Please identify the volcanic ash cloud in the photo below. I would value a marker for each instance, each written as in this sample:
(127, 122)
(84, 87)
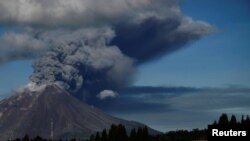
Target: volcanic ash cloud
(88, 46)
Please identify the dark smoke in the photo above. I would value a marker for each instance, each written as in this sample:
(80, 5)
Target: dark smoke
(82, 61)
(15, 46)
(91, 47)
(154, 37)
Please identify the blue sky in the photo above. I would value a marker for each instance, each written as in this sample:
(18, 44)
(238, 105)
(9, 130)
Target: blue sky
(14, 75)
(220, 60)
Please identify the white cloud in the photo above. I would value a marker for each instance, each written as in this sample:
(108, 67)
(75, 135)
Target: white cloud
(107, 94)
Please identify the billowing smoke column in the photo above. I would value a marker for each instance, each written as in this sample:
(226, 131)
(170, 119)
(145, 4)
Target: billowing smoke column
(82, 61)
(90, 47)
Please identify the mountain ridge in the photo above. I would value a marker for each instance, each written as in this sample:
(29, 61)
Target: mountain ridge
(53, 113)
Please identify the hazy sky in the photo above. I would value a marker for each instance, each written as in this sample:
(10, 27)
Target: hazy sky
(216, 66)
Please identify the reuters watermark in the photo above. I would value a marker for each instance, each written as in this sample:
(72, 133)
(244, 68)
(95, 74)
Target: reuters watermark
(221, 132)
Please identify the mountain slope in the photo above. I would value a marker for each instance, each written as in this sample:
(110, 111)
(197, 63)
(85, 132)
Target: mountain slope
(52, 113)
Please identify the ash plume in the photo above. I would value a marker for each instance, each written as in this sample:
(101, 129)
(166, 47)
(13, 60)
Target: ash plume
(88, 46)
(83, 60)
(154, 37)
(15, 46)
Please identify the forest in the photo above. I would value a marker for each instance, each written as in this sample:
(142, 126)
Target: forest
(119, 133)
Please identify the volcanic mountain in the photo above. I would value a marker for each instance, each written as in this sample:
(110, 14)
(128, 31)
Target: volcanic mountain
(53, 113)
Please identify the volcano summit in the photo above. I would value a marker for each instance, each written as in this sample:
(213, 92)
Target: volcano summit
(51, 112)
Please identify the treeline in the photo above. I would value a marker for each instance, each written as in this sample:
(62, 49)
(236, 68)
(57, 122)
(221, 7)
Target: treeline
(224, 120)
(27, 138)
(119, 133)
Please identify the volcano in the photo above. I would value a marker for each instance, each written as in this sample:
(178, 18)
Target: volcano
(53, 113)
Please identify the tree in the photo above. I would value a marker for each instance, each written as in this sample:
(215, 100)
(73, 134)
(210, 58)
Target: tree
(248, 121)
(242, 120)
(38, 138)
(104, 135)
(121, 133)
(112, 133)
(97, 137)
(145, 134)
(18, 139)
(26, 138)
(92, 138)
(139, 136)
(233, 120)
(132, 136)
(215, 123)
(223, 119)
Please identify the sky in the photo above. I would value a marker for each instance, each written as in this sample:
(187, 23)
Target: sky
(220, 60)
(190, 87)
